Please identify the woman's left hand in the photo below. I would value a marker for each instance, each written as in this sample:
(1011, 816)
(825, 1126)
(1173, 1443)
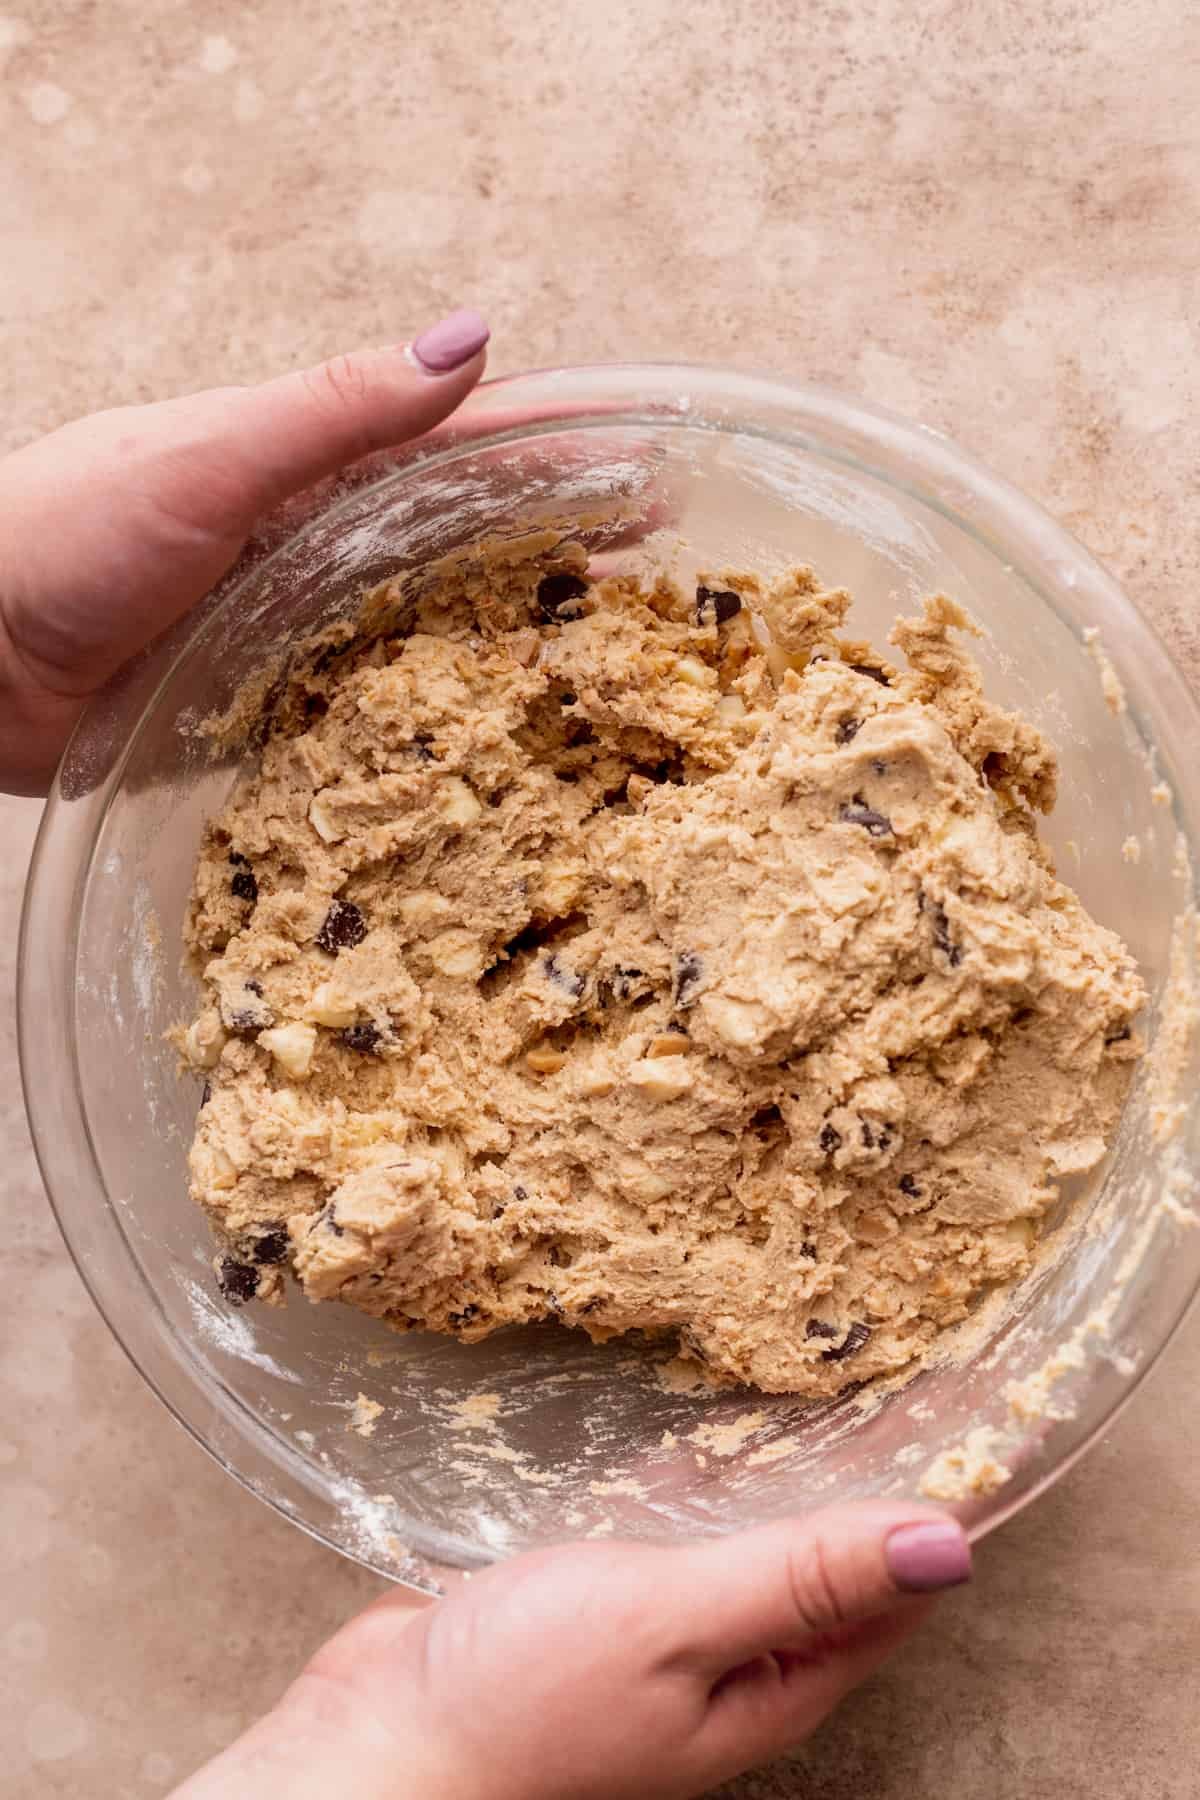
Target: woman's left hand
(114, 526)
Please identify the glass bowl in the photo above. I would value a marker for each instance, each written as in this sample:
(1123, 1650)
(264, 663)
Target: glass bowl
(536, 1434)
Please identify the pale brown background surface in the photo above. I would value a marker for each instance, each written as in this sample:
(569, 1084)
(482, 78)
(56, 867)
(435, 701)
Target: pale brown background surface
(985, 215)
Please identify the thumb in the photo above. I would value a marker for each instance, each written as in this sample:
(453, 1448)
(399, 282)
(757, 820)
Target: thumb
(311, 422)
(784, 1621)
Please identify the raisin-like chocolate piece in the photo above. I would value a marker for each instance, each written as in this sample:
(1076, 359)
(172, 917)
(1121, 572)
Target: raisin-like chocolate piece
(255, 987)
(689, 973)
(243, 885)
(854, 1339)
(237, 860)
(237, 1281)
(908, 1185)
(818, 1328)
(809, 1249)
(870, 670)
(830, 1139)
(558, 596)
(847, 731)
(363, 1037)
(623, 981)
(941, 931)
(716, 606)
(470, 1311)
(570, 980)
(272, 1247)
(328, 1219)
(421, 747)
(520, 1193)
(857, 812)
(344, 927)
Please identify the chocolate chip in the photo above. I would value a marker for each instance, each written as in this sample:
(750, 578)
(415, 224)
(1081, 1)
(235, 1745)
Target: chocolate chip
(520, 1193)
(570, 980)
(558, 594)
(206, 1093)
(623, 981)
(830, 1139)
(857, 812)
(689, 972)
(716, 606)
(272, 1246)
(941, 932)
(818, 1328)
(847, 730)
(421, 747)
(908, 1185)
(255, 987)
(854, 1339)
(243, 885)
(344, 927)
(237, 1281)
(808, 1249)
(470, 1311)
(238, 860)
(363, 1037)
(870, 670)
(327, 1219)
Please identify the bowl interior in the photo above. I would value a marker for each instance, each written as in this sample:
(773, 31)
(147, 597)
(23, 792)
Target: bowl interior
(535, 1434)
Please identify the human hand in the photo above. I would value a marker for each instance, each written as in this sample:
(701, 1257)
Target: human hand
(114, 526)
(602, 1671)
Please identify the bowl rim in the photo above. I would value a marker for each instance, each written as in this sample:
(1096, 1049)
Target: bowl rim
(694, 395)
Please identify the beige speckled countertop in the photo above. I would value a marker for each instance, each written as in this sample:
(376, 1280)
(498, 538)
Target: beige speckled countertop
(984, 216)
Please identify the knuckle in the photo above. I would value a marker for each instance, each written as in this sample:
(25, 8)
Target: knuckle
(814, 1588)
(339, 389)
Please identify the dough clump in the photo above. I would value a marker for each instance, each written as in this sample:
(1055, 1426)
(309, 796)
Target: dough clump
(651, 961)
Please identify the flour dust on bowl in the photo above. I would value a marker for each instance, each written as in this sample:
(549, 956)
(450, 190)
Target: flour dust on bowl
(417, 1454)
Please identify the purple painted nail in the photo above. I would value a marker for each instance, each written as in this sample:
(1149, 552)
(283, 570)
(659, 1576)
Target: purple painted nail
(451, 342)
(922, 1558)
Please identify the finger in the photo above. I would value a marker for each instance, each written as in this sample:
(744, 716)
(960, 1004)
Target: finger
(785, 1584)
(768, 1706)
(310, 423)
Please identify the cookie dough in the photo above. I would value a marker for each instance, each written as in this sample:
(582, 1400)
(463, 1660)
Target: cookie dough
(647, 960)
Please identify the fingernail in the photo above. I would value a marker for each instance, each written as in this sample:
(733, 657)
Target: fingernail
(451, 342)
(922, 1558)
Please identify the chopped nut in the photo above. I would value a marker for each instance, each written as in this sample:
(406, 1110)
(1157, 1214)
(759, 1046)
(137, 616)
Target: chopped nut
(292, 1047)
(222, 1173)
(321, 818)
(328, 1008)
(597, 1081)
(693, 671)
(544, 1061)
(456, 803)
(671, 1043)
(422, 907)
(559, 888)
(662, 1077)
(456, 952)
(204, 1040)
